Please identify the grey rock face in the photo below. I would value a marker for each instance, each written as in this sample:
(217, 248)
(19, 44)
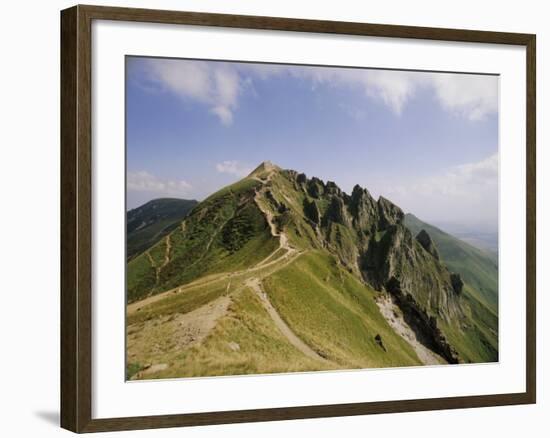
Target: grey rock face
(363, 209)
(370, 239)
(336, 212)
(332, 189)
(301, 178)
(427, 243)
(390, 214)
(311, 211)
(315, 187)
(458, 284)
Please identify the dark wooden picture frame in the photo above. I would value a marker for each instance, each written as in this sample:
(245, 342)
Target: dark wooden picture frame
(76, 218)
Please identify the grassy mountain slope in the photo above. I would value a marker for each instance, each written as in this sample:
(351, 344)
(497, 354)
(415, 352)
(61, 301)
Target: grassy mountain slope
(341, 324)
(225, 232)
(150, 222)
(480, 296)
(339, 307)
(479, 269)
(280, 273)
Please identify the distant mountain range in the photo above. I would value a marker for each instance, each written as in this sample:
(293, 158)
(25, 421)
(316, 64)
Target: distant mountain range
(479, 268)
(483, 236)
(149, 223)
(279, 272)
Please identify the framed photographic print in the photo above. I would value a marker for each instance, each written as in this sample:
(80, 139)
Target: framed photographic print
(269, 218)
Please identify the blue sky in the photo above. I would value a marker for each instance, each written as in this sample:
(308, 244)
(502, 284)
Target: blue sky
(427, 141)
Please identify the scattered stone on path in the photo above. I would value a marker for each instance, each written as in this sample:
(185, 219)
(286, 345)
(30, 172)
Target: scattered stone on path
(234, 346)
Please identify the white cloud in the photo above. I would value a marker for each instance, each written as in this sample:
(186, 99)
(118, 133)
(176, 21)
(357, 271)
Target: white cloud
(234, 167)
(392, 88)
(473, 96)
(470, 180)
(219, 85)
(468, 192)
(143, 181)
(224, 114)
(215, 85)
(482, 172)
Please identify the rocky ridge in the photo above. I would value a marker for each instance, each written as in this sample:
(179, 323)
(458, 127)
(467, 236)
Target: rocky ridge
(371, 241)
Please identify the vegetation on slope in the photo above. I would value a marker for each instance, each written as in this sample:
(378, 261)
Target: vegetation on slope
(202, 299)
(244, 341)
(477, 336)
(342, 320)
(225, 232)
(478, 268)
(342, 325)
(152, 221)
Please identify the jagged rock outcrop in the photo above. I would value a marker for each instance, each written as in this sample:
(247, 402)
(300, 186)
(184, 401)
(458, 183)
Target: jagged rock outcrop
(424, 325)
(332, 189)
(427, 243)
(457, 283)
(336, 212)
(301, 178)
(397, 254)
(311, 227)
(363, 209)
(311, 211)
(370, 239)
(390, 214)
(315, 187)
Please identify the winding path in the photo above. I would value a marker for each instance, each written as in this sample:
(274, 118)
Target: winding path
(288, 254)
(256, 286)
(166, 253)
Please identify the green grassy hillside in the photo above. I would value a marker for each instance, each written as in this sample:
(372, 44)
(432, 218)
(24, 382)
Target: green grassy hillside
(339, 307)
(225, 232)
(152, 221)
(480, 295)
(479, 269)
(341, 325)
(281, 273)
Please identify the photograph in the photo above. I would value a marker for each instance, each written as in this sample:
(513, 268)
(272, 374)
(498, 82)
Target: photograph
(285, 218)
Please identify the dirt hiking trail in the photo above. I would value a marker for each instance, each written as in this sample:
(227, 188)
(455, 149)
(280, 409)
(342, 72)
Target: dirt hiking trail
(256, 286)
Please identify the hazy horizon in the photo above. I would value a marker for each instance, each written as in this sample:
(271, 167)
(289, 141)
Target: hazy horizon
(426, 141)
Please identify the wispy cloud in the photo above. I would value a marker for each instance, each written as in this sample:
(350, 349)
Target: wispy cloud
(392, 88)
(143, 181)
(472, 180)
(472, 96)
(234, 167)
(464, 191)
(220, 85)
(468, 95)
(215, 85)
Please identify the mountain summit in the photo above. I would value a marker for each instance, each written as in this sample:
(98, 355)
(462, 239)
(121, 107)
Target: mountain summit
(280, 272)
(264, 168)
